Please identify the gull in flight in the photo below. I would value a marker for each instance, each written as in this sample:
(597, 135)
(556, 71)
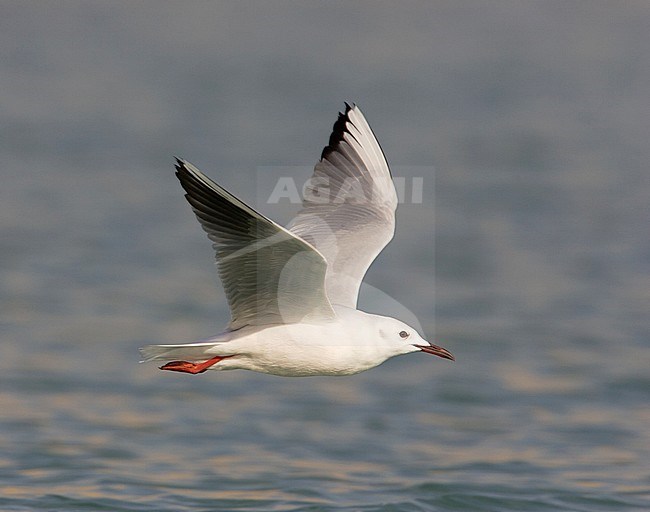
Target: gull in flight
(293, 291)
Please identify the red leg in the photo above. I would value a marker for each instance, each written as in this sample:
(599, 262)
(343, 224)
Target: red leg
(193, 368)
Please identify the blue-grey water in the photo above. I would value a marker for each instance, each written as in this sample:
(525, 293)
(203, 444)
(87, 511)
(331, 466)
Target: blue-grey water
(528, 255)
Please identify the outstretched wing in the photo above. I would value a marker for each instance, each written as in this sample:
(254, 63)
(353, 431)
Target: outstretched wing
(270, 275)
(349, 206)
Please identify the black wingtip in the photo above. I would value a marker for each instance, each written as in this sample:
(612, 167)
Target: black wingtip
(180, 164)
(184, 174)
(338, 130)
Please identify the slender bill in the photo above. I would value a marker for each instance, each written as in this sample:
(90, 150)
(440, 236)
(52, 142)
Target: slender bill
(436, 351)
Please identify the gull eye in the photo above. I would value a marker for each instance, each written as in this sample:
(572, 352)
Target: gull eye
(404, 334)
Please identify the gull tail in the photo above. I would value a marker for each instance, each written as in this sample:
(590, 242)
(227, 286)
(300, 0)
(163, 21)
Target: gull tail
(186, 352)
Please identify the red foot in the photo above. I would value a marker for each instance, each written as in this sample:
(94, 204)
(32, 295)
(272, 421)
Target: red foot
(193, 368)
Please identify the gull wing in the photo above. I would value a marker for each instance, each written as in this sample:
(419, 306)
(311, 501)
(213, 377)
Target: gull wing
(270, 275)
(348, 211)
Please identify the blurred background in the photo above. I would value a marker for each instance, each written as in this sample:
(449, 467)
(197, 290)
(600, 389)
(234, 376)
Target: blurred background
(528, 256)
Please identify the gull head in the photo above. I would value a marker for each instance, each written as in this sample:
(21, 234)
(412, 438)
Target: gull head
(404, 339)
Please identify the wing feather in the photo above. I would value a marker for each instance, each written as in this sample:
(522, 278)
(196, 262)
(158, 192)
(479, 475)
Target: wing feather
(348, 211)
(269, 274)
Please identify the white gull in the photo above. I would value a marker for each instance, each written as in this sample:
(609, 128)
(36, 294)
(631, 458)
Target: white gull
(293, 292)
